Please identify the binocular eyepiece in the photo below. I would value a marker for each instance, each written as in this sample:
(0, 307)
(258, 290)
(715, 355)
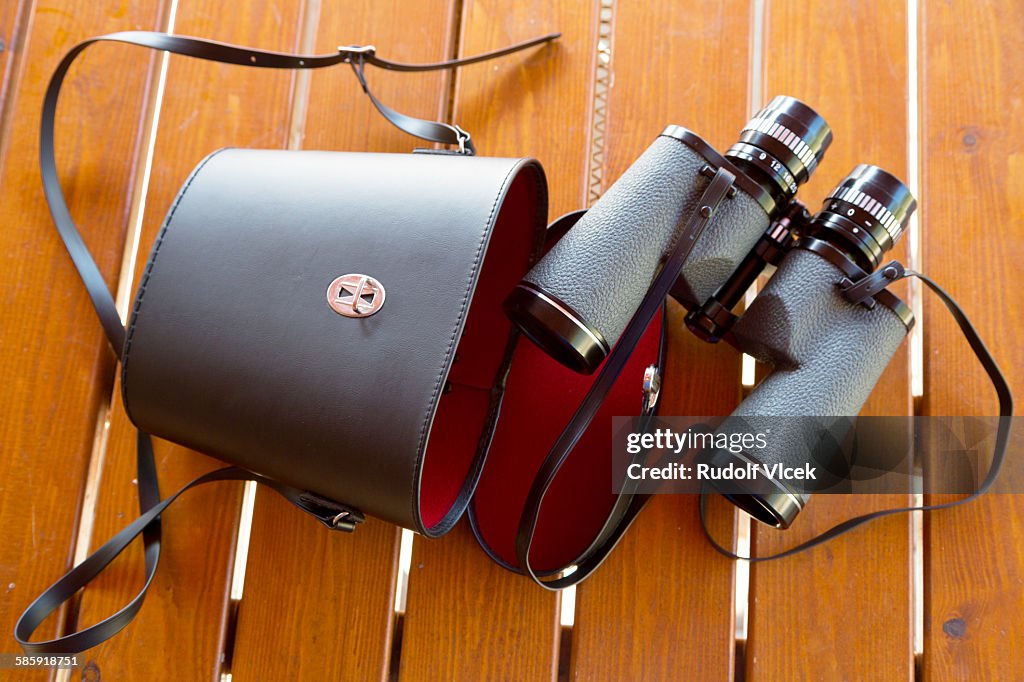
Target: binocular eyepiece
(781, 146)
(865, 215)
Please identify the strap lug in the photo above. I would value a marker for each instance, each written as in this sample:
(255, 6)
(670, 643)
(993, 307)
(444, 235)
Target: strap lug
(863, 290)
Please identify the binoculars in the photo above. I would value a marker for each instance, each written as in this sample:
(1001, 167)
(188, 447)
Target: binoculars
(827, 352)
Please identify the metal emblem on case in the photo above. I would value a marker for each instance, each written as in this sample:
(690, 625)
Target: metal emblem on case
(355, 295)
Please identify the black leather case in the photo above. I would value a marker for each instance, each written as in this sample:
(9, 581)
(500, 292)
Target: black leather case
(233, 349)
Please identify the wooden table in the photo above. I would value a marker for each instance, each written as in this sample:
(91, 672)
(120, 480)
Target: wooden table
(933, 91)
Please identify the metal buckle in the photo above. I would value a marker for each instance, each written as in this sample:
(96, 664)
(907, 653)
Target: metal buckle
(354, 50)
(333, 515)
(864, 290)
(651, 389)
(463, 138)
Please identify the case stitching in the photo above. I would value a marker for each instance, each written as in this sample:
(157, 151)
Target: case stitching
(137, 308)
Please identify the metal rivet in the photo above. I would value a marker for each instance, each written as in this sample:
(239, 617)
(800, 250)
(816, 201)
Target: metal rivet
(705, 211)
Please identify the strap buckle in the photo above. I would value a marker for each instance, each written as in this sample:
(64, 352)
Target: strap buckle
(332, 514)
(464, 139)
(361, 51)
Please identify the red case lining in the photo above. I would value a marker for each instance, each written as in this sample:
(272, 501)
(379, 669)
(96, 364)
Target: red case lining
(463, 409)
(540, 398)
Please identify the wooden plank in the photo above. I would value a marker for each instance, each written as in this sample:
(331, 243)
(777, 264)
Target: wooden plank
(856, 79)
(467, 618)
(317, 604)
(54, 363)
(661, 607)
(346, 581)
(972, 57)
(205, 106)
(485, 622)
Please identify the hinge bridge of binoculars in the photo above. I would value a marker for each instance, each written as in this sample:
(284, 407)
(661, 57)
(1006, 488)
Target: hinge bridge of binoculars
(863, 290)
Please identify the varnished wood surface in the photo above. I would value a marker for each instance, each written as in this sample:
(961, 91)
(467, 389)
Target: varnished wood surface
(55, 366)
(319, 605)
(13, 18)
(972, 57)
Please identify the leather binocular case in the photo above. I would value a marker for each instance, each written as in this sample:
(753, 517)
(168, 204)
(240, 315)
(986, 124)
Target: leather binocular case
(333, 321)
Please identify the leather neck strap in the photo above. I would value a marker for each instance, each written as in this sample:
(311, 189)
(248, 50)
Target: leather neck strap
(333, 515)
(628, 504)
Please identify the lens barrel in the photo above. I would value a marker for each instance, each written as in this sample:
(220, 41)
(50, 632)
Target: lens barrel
(865, 215)
(781, 146)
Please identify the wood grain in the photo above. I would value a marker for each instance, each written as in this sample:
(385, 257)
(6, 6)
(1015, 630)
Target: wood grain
(484, 622)
(467, 618)
(55, 367)
(857, 80)
(317, 604)
(972, 56)
(181, 631)
(661, 607)
(333, 594)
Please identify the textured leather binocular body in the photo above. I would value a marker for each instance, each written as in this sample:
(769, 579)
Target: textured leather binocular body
(593, 279)
(827, 355)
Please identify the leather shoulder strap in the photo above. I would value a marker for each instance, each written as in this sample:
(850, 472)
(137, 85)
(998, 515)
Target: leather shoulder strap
(333, 515)
(210, 50)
